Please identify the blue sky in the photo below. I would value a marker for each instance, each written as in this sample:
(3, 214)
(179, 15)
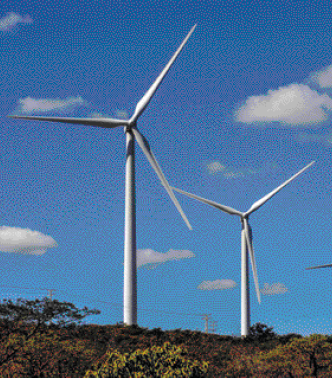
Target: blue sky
(246, 105)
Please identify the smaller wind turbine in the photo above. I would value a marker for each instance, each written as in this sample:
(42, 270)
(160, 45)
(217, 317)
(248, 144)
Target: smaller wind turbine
(246, 244)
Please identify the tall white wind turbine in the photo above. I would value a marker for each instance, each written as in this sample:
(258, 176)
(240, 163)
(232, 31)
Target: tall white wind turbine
(132, 134)
(246, 245)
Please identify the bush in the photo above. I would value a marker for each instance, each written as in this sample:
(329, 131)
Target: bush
(261, 332)
(166, 361)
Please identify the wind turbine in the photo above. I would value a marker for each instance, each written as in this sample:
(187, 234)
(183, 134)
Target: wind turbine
(132, 134)
(246, 244)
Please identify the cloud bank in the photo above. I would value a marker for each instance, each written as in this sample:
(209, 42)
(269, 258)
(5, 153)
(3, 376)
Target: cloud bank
(31, 105)
(217, 285)
(12, 20)
(292, 105)
(24, 240)
(274, 289)
(149, 256)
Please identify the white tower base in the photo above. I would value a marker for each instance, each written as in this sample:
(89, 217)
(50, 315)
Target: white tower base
(245, 299)
(130, 266)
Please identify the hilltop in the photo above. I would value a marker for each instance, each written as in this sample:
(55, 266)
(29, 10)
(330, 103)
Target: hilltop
(46, 339)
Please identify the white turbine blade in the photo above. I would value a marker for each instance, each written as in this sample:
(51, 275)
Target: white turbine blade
(320, 266)
(252, 257)
(143, 143)
(143, 102)
(97, 122)
(261, 202)
(226, 209)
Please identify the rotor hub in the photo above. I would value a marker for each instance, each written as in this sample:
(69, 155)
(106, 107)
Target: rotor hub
(128, 127)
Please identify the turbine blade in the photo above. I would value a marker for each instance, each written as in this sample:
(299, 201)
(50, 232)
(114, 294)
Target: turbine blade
(143, 143)
(247, 231)
(261, 202)
(320, 266)
(144, 101)
(97, 122)
(226, 209)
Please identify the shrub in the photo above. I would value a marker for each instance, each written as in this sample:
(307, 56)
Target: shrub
(166, 361)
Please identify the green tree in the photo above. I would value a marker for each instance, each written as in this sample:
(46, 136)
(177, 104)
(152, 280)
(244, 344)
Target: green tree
(166, 361)
(43, 312)
(241, 361)
(50, 353)
(261, 332)
(303, 357)
(22, 320)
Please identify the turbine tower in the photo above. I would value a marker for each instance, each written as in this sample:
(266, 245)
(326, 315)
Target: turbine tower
(132, 134)
(246, 245)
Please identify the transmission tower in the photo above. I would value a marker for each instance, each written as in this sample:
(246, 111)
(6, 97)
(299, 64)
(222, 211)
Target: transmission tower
(206, 317)
(213, 326)
(50, 292)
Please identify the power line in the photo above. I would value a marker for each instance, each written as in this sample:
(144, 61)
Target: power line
(50, 291)
(24, 288)
(94, 299)
(117, 304)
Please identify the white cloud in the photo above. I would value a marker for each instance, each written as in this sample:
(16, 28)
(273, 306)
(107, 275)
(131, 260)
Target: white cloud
(30, 105)
(215, 167)
(12, 20)
(217, 285)
(98, 115)
(274, 289)
(233, 174)
(122, 114)
(23, 240)
(295, 104)
(148, 256)
(323, 78)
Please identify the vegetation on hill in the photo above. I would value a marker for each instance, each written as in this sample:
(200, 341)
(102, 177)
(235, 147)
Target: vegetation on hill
(40, 339)
(166, 361)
